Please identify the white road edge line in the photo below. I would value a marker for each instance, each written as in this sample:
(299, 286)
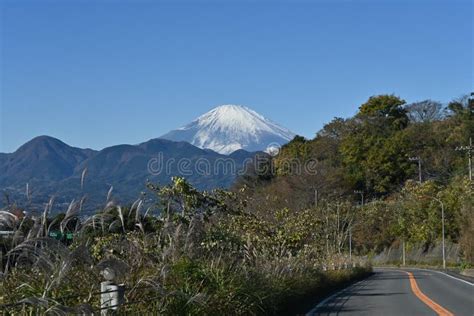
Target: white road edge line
(444, 273)
(327, 299)
(421, 269)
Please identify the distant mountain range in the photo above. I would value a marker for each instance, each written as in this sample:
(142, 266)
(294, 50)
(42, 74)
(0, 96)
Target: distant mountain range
(52, 168)
(228, 128)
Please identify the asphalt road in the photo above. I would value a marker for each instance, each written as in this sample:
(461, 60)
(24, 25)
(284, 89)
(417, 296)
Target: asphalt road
(402, 292)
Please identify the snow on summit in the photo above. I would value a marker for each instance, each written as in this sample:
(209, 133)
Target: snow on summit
(228, 128)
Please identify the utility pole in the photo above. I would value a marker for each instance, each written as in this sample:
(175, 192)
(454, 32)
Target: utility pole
(442, 228)
(350, 227)
(316, 197)
(350, 244)
(403, 251)
(418, 159)
(468, 149)
(442, 231)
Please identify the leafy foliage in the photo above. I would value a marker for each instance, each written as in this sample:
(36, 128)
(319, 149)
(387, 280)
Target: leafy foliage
(191, 253)
(370, 153)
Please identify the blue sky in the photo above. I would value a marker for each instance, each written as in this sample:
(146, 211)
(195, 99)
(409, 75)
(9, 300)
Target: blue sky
(100, 73)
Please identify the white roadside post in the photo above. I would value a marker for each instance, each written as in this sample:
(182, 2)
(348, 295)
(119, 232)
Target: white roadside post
(112, 295)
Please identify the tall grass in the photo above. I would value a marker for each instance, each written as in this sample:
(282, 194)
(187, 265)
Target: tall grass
(193, 253)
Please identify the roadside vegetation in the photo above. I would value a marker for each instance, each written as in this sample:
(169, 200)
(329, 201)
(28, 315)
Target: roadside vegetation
(371, 160)
(279, 237)
(201, 254)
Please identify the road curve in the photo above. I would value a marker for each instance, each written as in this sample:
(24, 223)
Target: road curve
(402, 292)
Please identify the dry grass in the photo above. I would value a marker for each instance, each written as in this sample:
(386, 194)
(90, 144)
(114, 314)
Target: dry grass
(202, 255)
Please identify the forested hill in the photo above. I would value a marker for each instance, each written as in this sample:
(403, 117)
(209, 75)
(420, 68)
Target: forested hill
(375, 155)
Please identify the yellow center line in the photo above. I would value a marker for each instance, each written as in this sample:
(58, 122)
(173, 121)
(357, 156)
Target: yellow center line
(425, 299)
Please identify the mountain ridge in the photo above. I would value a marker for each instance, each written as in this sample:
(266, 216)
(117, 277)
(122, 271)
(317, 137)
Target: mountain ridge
(50, 167)
(43, 157)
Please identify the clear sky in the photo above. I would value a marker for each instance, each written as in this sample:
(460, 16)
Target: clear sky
(100, 73)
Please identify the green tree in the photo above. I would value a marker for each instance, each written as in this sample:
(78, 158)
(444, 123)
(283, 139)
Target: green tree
(292, 156)
(375, 152)
(387, 107)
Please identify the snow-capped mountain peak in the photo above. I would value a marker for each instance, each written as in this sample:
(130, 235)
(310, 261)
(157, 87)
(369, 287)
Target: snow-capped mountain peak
(229, 127)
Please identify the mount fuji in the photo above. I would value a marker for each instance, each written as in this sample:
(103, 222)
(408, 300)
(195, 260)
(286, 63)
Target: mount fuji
(228, 128)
